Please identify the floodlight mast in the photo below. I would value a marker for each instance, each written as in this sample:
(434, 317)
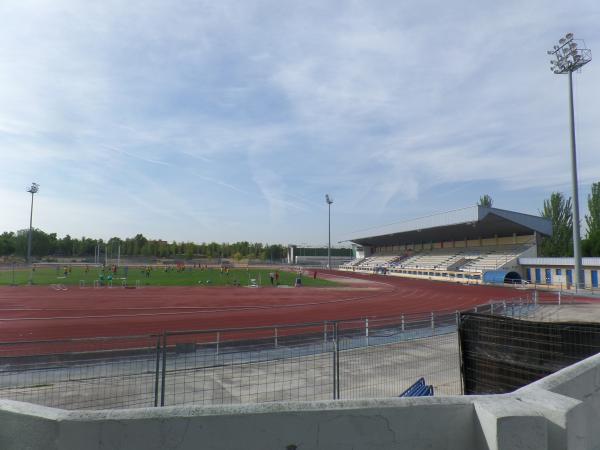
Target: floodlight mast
(329, 201)
(569, 55)
(33, 189)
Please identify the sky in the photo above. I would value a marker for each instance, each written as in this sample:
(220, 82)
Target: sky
(231, 120)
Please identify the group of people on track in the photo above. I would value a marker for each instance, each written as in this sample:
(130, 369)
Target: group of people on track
(274, 277)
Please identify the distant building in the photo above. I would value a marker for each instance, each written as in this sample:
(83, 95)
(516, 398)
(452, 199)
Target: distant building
(559, 271)
(317, 256)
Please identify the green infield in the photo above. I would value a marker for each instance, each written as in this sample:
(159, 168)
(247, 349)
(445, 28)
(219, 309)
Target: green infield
(157, 276)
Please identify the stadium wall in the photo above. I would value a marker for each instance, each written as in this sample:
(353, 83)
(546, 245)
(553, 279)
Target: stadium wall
(557, 412)
(449, 276)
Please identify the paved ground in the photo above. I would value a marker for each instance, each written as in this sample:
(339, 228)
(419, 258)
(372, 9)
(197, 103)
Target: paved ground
(567, 313)
(203, 377)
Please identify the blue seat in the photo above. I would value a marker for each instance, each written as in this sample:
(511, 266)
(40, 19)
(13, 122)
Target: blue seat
(418, 389)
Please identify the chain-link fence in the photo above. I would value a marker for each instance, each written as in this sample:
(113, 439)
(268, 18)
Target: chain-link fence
(348, 359)
(81, 373)
(360, 358)
(501, 353)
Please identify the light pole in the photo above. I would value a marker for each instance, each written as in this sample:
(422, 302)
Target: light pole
(570, 55)
(329, 201)
(33, 189)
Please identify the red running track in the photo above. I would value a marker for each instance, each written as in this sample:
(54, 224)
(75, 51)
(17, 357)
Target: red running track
(35, 313)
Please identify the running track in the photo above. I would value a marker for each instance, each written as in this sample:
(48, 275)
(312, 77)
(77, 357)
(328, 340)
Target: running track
(34, 313)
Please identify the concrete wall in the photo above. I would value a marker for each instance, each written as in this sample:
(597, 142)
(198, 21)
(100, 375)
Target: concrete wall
(558, 412)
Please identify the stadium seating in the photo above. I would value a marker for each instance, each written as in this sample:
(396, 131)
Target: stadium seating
(471, 260)
(492, 259)
(434, 260)
(373, 262)
(353, 263)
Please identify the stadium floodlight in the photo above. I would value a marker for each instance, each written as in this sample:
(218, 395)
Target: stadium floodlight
(329, 201)
(33, 189)
(571, 55)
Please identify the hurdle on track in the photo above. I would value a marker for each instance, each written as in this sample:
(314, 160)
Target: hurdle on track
(59, 287)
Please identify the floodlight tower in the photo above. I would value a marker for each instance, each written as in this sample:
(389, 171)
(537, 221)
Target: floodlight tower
(33, 189)
(329, 201)
(569, 55)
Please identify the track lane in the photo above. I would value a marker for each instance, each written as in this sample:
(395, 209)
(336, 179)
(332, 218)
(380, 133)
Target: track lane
(43, 313)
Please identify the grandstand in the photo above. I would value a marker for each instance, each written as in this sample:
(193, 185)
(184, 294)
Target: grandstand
(373, 262)
(460, 245)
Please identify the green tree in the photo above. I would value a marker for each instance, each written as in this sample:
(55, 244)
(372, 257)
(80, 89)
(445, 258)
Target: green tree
(43, 244)
(558, 209)
(591, 244)
(139, 242)
(213, 250)
(190, 249)
(7, 243)
(486, 200)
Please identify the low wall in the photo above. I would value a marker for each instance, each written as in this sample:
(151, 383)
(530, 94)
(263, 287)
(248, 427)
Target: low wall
(437, 277)
(558, 412)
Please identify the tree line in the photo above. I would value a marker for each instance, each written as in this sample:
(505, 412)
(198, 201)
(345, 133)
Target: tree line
(559, 209)
(49, 244)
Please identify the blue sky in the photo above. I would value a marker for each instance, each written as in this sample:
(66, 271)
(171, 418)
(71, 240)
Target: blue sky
(230, 120)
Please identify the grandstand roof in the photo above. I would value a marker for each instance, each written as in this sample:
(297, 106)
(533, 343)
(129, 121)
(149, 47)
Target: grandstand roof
(467, 223)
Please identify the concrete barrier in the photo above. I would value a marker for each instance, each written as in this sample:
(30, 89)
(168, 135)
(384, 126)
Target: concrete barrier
(558, 412)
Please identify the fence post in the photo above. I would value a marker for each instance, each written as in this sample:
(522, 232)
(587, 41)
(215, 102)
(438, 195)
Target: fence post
(325, 333)
(475, 308)
(457, 319)
(432, 322)
(276, 343)
(403, 323)
(559, 294)
(367, 330)
(334, 365)
(504, 307)
(520, 309)
(164, 370)
(337, 354)
(218, 341)
(157, 371)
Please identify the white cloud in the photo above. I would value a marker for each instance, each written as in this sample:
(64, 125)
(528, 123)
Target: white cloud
(212, 111)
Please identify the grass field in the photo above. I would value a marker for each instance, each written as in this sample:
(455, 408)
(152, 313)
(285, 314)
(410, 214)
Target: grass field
(157, 277)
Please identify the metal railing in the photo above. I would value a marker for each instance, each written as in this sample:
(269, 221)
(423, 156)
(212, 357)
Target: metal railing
(346, 359)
